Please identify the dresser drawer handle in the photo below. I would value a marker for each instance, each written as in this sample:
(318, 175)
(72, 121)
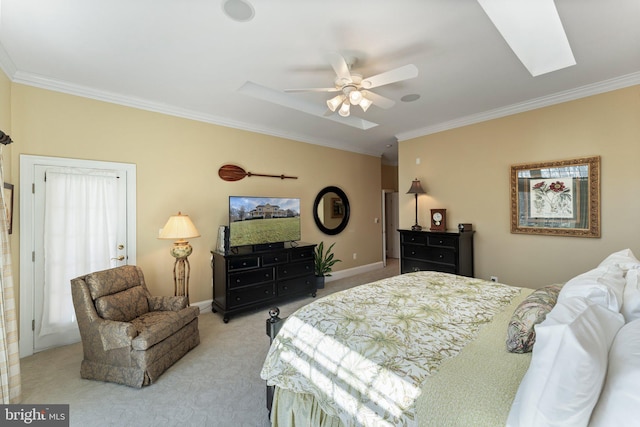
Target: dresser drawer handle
(440, 256)
(276, 259)
(237, 280)
(441, 241)
(413, 252)
(266, 292)
(285, 288)
(244, 263)
(237, 298)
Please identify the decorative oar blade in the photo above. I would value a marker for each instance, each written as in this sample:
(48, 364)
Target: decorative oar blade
(231, 173)
(236, 173)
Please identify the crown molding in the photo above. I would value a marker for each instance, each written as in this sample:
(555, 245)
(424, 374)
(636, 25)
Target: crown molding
(142, 104)
(545, 101)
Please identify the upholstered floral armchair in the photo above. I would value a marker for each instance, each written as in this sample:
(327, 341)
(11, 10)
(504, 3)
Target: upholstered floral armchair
(128, 336)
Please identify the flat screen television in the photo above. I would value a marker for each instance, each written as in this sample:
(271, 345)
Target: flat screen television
(263, 220)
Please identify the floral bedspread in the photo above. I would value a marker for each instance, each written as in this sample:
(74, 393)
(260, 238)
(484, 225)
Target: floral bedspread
(364, 353)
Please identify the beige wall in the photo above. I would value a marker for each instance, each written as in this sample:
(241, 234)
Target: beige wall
(177, 170)
(390, 177)
(5, 120)
(466, 171)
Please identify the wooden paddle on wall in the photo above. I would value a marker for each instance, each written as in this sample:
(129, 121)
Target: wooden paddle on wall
(236, 173)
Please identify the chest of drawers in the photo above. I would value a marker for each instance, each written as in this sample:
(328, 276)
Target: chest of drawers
(246, 279)
(447, 252)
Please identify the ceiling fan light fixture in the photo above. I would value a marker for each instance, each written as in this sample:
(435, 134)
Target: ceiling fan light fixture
(365, 104)
(345, 110)
(335, 102)
(355, 97)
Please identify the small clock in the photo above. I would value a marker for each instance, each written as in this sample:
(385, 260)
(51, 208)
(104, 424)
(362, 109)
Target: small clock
(438, 219)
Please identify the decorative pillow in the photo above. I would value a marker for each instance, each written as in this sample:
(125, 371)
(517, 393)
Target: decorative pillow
(625, 259)
(619, 403)
(603, 285)
(533, 310)
(631, 304)
(123, 306)
(568, 365)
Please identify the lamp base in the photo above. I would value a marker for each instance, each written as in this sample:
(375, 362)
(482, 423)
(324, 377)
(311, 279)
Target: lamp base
(416, 227)
(181, 269)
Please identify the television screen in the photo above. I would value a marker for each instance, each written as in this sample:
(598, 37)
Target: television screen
(260, 220)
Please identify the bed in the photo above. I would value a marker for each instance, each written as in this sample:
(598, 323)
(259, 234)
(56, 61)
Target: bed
(369, 355)
(436, 349)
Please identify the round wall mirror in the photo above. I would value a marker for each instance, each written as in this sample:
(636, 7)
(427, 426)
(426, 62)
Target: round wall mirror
(331, 210)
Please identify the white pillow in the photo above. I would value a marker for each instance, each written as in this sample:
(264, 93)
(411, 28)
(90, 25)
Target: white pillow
(625, 259)
(568, 365)
(603, 285)
(619, 403)
(631, 304)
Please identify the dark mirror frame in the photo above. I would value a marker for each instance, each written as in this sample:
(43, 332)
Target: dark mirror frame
(347, 210)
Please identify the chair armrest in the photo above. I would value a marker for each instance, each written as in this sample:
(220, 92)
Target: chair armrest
(165, 303)
(116, 334)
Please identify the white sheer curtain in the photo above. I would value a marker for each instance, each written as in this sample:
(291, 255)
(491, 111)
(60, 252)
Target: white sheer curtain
(80, 236)
(10, 384)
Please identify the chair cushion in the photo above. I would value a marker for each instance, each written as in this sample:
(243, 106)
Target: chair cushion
(123, 306)
(155, 326)
(114, 280)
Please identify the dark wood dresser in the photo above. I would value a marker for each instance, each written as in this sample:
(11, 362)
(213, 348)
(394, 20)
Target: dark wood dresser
(245, 279)
(447, 252)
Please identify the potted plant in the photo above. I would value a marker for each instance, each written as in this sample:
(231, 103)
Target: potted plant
(324, 261)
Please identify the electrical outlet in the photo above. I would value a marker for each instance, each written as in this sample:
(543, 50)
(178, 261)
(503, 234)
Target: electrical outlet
(355, 255)
(494, 278)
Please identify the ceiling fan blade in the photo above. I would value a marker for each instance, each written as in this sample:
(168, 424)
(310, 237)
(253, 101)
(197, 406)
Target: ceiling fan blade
(314, 89)
(378, 100)
(340, 66)
(398, 74)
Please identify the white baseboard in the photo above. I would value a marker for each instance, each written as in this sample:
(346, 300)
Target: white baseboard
(353, 271)
(205, 306)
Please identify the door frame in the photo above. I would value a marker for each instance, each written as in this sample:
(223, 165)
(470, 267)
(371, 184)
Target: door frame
(27, 238)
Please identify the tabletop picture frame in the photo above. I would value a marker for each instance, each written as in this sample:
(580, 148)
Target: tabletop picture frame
(557, 198)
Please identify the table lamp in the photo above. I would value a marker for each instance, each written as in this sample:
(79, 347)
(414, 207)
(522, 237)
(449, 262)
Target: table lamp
(416, 189)
(180, 228)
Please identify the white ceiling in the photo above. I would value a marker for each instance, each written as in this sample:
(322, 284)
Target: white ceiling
(188, 58)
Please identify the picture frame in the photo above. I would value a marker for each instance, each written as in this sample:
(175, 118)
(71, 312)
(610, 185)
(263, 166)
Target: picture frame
(556, 198)
(337, 207)
(8, 205)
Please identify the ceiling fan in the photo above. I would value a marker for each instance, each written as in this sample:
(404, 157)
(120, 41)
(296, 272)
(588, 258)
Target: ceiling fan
(353, 88)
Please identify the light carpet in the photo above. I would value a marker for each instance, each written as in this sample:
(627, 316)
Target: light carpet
(216, 384)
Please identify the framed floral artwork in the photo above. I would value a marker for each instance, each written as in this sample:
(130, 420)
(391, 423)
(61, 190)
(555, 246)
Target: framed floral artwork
(558, 198)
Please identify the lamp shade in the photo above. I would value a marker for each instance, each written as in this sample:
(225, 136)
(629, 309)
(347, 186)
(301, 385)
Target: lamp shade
(416, 188)
(179, 227)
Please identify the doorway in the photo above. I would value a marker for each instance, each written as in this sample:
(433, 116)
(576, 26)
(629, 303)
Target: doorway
(390, 224)
(56, 194)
